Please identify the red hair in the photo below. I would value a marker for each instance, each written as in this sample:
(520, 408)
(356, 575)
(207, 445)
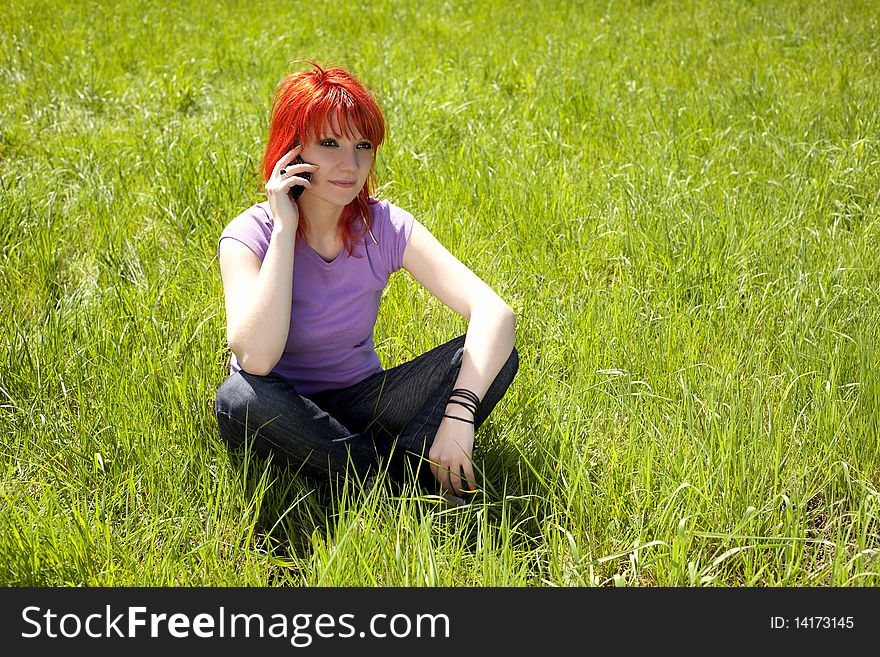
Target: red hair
(304, 103)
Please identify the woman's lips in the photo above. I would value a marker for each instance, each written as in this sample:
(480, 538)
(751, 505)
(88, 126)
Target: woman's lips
(345, 184)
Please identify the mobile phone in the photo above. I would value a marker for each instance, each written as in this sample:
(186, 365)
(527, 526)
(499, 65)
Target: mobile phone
(297, 190)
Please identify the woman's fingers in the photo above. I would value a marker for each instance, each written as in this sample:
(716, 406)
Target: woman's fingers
(454, 480)
(470, 482)
(450, 456)
(284, 207)
(441, 474)
(450, 477)
(286, 159)
(292, 181)
(297, 170)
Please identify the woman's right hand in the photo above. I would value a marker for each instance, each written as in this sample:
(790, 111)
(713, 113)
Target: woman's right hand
(284, 209)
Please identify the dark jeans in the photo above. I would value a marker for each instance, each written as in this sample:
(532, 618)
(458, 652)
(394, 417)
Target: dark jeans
(391, 416)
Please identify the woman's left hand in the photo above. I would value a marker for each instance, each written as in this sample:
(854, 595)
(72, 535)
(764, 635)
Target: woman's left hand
(450, 455)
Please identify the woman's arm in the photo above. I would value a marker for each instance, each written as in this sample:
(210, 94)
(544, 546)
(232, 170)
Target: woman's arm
(258, 297)
(259, 294)
(488, 343)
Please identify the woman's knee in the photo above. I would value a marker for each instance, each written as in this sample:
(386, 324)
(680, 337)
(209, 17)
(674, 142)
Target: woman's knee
(234, 396)
(253, 400)
(231, 404)
(257, 408)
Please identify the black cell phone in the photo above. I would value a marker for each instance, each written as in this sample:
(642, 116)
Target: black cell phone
(297, 190)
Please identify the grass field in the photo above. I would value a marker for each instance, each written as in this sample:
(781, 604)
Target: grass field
(680, 201)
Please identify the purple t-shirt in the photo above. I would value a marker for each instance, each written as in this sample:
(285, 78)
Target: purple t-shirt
(335, 304)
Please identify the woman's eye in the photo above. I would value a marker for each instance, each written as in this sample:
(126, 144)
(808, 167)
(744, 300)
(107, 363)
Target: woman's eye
(332, 142)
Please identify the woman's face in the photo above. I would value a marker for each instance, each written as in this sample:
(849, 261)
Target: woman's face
(344, 162)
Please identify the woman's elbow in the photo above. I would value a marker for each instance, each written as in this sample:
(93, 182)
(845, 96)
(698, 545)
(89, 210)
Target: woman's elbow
(503, 314)
(257, 369)
(509, 317)
(251, 362)
(501, 310)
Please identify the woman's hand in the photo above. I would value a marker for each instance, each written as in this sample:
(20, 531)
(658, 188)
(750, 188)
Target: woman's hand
(450, 455)
(284, 209)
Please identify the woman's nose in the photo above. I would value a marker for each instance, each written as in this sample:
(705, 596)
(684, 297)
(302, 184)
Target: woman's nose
(348, 161)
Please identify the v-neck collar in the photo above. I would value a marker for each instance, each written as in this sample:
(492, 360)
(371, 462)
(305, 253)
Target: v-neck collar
(317, 256)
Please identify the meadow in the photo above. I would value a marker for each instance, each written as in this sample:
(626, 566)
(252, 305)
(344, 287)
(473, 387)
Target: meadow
(678, 199)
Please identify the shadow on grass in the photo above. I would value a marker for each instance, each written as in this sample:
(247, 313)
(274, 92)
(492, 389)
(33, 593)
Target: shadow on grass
(287, 512)
(284, 507)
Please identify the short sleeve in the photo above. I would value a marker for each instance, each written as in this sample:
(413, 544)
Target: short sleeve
(253, 228)
(393, 227)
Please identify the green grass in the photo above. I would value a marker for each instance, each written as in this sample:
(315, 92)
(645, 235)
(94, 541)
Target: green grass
(680, 201)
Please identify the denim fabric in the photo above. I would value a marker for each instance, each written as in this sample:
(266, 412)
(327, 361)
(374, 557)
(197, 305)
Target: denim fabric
(391, 416)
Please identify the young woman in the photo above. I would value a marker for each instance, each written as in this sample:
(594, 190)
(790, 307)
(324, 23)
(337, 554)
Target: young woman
(303, 274)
